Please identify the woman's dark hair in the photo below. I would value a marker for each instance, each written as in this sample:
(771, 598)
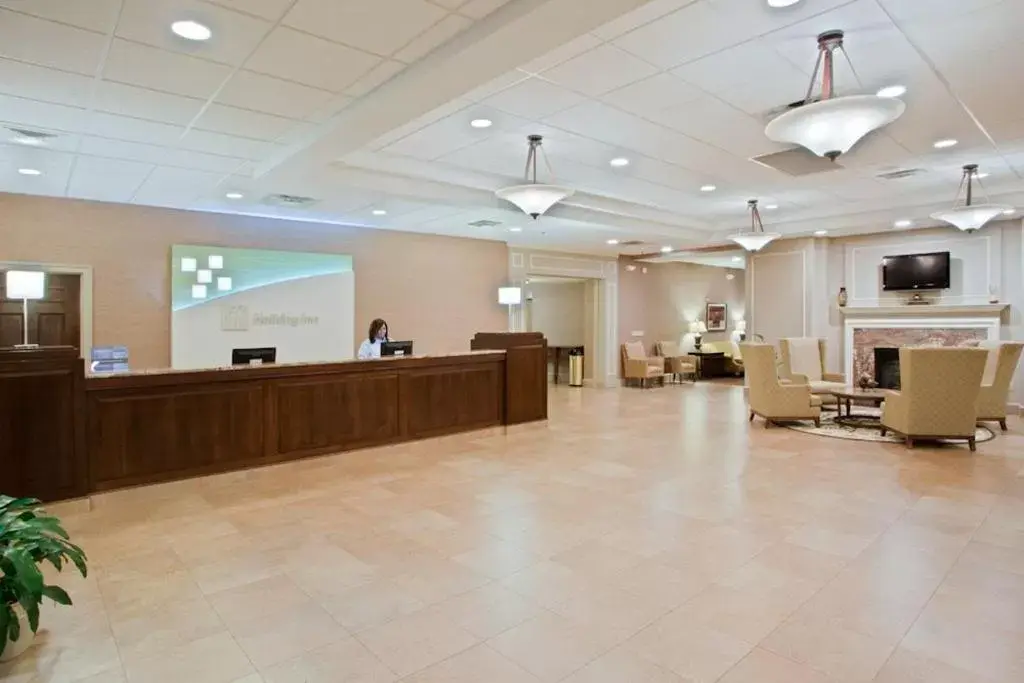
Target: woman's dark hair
(375, 328)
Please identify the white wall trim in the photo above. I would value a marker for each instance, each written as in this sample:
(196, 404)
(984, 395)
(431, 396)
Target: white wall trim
(84, 296)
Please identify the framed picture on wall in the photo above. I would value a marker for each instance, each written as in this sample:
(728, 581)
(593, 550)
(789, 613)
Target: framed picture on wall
(715, 316)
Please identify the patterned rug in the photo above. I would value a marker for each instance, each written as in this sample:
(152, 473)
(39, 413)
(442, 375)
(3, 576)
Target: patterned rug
(869, 431)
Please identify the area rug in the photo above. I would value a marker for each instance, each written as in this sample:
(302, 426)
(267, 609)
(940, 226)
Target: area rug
(830, 429)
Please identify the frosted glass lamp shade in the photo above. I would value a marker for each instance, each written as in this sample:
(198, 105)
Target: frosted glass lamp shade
(698, 327)
(832, 127)
(971, 218)
(741, 325)
(25, 284)
(534, 199)
(755, 241)
(510, 296)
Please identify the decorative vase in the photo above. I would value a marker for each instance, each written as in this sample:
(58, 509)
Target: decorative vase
(17, 647)
(842, 298)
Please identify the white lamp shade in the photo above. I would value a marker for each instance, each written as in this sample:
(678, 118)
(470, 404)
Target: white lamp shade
(188, 264)
(510, 296)
(216, 261)
(741, 325)
(755, 241)
(224, 284)
(26, 284)
(970, 218)
(831, 127)
(534, 199)
(204, 276)
(198, 291)
(698, 327)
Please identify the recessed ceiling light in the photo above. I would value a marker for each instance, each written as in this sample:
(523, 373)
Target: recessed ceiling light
(234, 195)
(619, 162)
(28, 141)
(820, 233)
(708, 188)
(515, 229)
(665, 250)
(1009, 212)
(612, 242)
(782, 3)
(30, 171)
(771, 206)
(481, 123)
(191, 30)
(380, 212)
(903, 223)
(943, 144)
(737, 259)
(979, 176)
(892, 91)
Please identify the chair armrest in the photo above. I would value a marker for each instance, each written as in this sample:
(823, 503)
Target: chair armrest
(796, 380)
(834, 377)
(636, 367)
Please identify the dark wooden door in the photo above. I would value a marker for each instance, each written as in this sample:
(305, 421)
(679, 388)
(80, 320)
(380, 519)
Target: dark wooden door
(52, 321)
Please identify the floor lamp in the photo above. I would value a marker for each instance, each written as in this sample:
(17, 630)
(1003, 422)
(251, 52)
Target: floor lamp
(510, 296)
(25, 285)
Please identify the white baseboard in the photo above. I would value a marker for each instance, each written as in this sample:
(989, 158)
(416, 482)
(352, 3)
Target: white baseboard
(1014, 409)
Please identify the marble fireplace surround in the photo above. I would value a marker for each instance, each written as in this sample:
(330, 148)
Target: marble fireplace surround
(927, 325)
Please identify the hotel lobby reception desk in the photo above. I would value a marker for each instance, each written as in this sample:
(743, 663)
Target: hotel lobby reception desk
(150, 426)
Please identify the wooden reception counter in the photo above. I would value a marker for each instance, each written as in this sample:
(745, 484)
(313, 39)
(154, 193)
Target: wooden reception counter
(88, 434)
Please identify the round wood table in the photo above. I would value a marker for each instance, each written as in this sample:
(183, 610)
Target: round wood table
(848, 396)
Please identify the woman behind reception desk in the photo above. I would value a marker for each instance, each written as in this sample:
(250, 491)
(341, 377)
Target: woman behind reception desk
(370, 348)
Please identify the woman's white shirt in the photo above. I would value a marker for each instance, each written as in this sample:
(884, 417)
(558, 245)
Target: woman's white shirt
(369, 349)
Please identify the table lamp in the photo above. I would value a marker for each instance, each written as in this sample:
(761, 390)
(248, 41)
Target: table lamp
(25, 285)
(741, 329)
(697, 328)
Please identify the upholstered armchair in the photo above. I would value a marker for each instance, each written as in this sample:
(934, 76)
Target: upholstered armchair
(938, 396)
(803, 362)
(637, 365)
(771, 398)
(735, 364)
(1000, 366)
(677, 363)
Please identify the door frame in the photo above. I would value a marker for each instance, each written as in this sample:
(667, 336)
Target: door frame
(84, 295)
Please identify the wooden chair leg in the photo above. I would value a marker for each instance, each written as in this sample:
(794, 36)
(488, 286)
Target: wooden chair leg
(767, 423)
(972, 444)
(751, 415)
(1002, 424)
(883, 431)
(817, 422)
(909, 442)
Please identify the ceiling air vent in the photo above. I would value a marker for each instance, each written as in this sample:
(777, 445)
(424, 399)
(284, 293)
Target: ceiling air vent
(632, 243)
(796, 162)
(900, 174)
(484, 223)
(28, 135)
(292, 200)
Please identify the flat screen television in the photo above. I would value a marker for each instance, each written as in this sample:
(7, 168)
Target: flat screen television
(915, 271)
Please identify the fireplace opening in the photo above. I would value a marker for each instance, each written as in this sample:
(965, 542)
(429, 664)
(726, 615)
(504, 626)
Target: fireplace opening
(887, 367)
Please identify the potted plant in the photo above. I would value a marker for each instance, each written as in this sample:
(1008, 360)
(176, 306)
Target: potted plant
(29, 537)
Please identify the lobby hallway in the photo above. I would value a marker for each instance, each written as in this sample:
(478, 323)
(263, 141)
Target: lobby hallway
(641, 536)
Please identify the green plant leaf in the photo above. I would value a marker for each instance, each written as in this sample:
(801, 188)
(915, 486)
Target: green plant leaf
(57, 594)
(14, 625)
(5, 620)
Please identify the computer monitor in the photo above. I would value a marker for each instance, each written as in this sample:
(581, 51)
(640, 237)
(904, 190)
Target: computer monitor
(396, 348)
(257, 356)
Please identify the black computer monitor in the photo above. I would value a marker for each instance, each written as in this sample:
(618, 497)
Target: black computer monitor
(267, 354)
(396, 348)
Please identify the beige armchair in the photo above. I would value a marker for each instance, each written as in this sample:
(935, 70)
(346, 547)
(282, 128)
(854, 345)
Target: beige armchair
(637, 365)
(677, 363)
(803, 361)
(736, 361)
(1000, 366)
(772, 399)
(938, 396)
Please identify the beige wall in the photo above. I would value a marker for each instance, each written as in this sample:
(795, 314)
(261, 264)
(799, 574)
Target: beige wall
(436, 290)
(558, 310)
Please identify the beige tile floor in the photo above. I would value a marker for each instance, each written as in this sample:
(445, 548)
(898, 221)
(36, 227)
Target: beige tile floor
(638, 537)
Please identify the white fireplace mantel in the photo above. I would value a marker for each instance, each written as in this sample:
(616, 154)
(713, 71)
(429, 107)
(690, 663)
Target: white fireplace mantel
(924, 311)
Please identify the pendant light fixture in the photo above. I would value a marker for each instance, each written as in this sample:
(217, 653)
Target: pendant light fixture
(534, 198)
(970, 216)
(757, 238)
(830, 125)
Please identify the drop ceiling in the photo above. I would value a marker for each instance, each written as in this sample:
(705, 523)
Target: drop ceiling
(364, 108)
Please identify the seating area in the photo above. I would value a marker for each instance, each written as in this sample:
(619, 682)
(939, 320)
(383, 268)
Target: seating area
(668, 359)
(945, 393)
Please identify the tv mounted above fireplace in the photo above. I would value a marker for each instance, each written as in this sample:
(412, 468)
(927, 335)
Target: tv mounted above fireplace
(915, 272)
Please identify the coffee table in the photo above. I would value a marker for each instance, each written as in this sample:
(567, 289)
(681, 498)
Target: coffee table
(847, 396)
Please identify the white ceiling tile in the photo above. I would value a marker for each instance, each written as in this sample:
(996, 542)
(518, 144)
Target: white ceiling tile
(54, 166)
(374, 78)
(134, 130)
(235, 35)
(329, 110)
(534, 98)
(450, 4)
(157, 69)
(226, 145)
(600, 70)
(95, 15)
(242, 122)
(506, 80)
(653, 94)
(751, 62)
(106, 180)
(689, 33)
(380, 27)
(478, 9)
(250, 90)
(165, 156)
(48, 85)
(267, 9)
(935, 9)
(302, 58)
(573, 48)
(48, 43)
(647, 13)
(129, 100)
(60, 140)
(33, 114)
(175, 187)
(435, 36)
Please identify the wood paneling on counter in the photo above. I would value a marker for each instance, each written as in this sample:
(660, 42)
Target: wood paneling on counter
(526, 372)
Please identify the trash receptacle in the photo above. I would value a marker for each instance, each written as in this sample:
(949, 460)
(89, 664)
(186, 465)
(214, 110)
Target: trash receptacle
(576, 367)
